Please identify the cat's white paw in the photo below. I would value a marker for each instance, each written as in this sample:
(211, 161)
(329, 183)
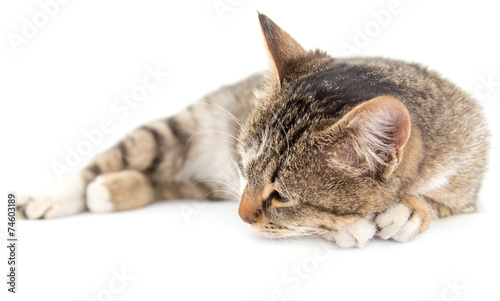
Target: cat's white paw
(98, 197)
(356, 234)
(36, 205)
(398, 223)
(66, 198)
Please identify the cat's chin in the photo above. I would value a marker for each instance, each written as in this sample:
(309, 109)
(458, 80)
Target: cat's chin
(286, 233)
(277, 234)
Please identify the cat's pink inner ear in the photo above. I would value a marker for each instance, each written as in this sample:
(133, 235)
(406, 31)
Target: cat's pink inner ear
(377, 131)
(282, 47)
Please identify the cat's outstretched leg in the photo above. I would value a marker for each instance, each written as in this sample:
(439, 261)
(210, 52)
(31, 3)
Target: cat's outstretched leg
(185, 156)
(137, 152)
(406, 219)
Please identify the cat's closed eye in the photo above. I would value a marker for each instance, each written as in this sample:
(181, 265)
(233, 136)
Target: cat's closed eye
(275, 199)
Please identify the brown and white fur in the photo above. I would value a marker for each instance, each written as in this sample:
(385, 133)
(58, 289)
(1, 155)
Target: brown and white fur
(339, 148)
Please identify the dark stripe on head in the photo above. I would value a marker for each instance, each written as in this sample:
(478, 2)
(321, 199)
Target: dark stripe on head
(319, 208)
(275, 174)
(338, 212)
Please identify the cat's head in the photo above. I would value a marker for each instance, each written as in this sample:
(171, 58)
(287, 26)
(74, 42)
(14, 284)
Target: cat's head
(314, 158)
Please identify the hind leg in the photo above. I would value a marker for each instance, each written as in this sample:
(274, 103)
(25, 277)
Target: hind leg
(121, 190)
(137, 152)
(459, 196)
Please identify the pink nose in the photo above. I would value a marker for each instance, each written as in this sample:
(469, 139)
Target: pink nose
(248, 212)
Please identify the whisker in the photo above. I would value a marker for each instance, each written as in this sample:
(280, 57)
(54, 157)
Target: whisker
(287, 192)
(211, 131)
(200, 116)
(228, 178)
(238, 121)
(224, 186)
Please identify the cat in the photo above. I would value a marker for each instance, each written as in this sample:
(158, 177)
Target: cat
(345, 149)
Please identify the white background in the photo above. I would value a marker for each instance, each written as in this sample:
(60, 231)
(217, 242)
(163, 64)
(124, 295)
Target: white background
(66, 77)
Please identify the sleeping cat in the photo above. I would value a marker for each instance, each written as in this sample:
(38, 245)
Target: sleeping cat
(345, 149)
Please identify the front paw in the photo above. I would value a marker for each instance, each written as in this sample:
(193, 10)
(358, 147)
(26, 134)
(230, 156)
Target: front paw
(405, 220)
(356, 234)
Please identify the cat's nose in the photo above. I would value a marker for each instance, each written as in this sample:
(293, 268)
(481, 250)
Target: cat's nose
(247, 210)
(247, 213)
(247, 220)
(248, 217)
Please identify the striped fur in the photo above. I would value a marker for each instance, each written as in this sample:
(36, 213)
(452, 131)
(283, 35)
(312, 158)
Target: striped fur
(188, 156)
(339, 148)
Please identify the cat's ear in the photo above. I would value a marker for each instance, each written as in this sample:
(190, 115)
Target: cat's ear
(373, 136)
(282, 47)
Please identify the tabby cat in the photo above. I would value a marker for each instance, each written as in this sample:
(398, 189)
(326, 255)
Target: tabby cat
(345, 149)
